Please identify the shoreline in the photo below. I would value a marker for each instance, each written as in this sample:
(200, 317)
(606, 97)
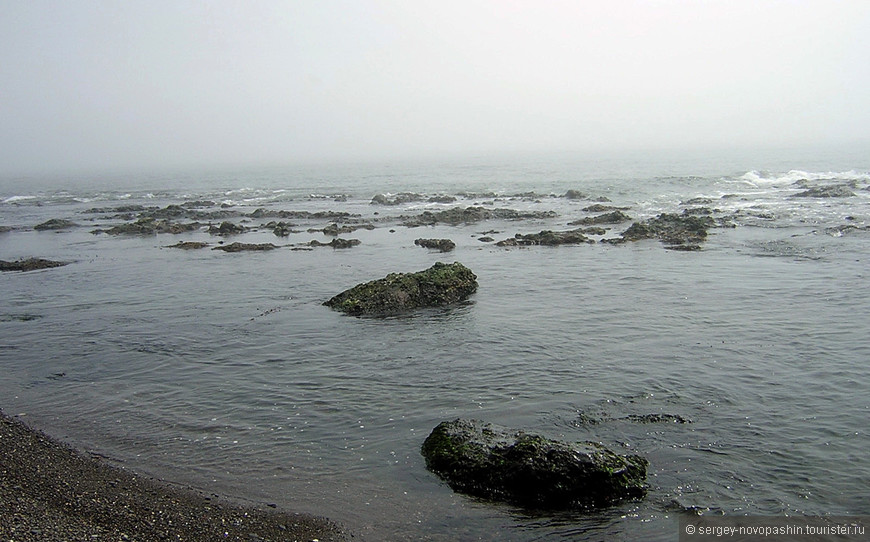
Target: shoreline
(51, 491)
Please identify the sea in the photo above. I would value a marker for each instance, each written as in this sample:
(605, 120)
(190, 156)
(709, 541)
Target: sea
(741, 370)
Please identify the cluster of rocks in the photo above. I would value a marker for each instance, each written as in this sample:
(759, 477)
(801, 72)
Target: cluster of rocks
(680, 232)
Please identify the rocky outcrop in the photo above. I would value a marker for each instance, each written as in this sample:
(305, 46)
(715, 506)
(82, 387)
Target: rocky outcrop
(492, 462)
(682, 232)
(442, 245)
(335, 230)
(613, 217)
(150, 226)
(396, 199)
(30, 264)
(547, 238)
(441, 284)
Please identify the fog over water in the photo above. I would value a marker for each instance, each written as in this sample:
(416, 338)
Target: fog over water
(97, 85)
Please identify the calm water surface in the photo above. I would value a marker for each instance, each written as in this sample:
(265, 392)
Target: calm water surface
(224, 371)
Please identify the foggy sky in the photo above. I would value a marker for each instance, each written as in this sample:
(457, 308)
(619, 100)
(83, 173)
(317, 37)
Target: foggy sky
(103, 84)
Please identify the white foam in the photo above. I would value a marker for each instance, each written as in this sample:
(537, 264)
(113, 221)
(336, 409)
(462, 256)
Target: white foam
(15, 199)
(758, 179)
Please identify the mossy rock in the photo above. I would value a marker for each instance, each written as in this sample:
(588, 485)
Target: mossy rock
(441, 284)
(671, 229)
(492, 462)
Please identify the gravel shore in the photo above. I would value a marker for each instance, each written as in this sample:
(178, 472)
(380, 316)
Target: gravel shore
(51, 492)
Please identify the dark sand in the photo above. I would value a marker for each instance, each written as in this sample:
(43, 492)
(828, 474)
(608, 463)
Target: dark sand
(51, 492)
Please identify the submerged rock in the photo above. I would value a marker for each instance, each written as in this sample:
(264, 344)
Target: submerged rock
(444, 245)
(55, 224)
(547, 238)
(338, 242)
(30, 264)
(485, 460)
(575, 194)
(189, 245)
(240, 247)
(599, 208)
(441, 284)
(830, 191)
(657, 418)
(471, 215)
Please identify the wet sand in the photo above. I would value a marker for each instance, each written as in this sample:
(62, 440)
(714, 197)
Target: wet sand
(51, 492)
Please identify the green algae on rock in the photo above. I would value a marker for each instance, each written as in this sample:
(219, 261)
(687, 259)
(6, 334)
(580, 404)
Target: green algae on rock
(492, 462)
(441, 284)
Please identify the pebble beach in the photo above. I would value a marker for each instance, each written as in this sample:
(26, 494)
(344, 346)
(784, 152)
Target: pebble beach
(50, 491)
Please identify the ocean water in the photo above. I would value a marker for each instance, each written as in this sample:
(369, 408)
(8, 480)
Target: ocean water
(224, 371)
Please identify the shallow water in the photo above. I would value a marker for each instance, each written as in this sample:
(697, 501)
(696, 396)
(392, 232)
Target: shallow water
(225, 371)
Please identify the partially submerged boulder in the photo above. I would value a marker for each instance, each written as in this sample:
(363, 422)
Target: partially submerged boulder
(30, 264)
(492, 462)
(55, 224)
(245, 247)
(188, 245)
(443, 245)
(613, 217)
(338, 242)
(829, 191)
(441, 284)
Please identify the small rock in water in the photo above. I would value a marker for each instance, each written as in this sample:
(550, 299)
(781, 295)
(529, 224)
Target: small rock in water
(443, 245)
